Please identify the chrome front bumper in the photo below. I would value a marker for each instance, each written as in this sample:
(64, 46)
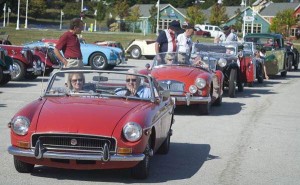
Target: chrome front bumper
(188, 99)
(73, 156)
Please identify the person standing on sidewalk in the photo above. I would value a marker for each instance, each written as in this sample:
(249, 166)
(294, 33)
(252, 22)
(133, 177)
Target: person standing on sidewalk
(69, 44)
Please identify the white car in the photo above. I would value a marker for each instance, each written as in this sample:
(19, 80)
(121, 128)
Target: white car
(215, 31)
(138, 48)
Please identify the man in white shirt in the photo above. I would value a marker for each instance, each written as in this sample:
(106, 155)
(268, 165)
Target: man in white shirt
(184, 40)
(227, 36)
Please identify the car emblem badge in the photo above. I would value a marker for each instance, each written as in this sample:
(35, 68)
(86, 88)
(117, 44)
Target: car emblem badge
(73, 142)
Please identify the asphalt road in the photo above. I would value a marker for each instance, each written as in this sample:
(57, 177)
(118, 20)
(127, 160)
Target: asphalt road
(251, 139)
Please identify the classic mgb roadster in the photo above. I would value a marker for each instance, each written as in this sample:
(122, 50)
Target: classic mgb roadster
(88, 119)
(190, 79)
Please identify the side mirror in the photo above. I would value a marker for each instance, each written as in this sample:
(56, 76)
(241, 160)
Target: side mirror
(147, 66)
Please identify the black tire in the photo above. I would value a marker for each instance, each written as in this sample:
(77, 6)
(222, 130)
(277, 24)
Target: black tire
(98, 61)
(232, 83)
(149, 57)
(135, 52)
(218, 101)
(48, 71)
(283, 73)
(141, 170)
(240, 87)
(259, 73)
(30, 76)
(165, 147)
(290, 63)
(110, 67)
(204, 109)
(20, 70)
(23, 167)
(296, 66)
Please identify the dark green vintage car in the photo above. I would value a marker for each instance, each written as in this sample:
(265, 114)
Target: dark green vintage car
(276, 56)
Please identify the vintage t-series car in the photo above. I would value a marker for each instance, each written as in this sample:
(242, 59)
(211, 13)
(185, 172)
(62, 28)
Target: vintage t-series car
(231, 52)
(89, 125)
(189, 84)
(138, 48)
(293, 58)
(27, 65)
(6, 67)
(98, 57)
(276, 56)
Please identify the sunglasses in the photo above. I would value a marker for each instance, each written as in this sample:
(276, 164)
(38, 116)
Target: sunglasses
(131, 79)
(76, 80)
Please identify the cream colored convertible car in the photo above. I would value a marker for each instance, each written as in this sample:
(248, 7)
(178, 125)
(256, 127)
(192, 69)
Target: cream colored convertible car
(138, 48)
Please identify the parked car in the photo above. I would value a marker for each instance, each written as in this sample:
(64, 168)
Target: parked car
(200, 32)
(98, 57)
(292, 56)
(112, 44)
(232, 71)
(6, 67)
(276, 55)
(26, 64)
(97, 128)
(214, 30)
(138, 48)
(189, 84)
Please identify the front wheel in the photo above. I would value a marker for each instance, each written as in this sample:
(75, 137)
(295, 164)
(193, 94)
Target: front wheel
(20, 70)
(141, 170)
(290, 62)
(204, 109)
(135, 52)
(23, 167)
(98, 61)
(232, 83)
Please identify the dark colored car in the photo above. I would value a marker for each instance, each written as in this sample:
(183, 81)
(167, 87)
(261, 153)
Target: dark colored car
(200, 32)
(6, 67)
(292, 56)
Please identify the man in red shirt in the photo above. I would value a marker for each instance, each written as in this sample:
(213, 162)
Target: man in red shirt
(69, 44)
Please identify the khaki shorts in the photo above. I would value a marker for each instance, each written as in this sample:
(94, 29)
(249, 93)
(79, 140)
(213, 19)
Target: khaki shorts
(74, 63)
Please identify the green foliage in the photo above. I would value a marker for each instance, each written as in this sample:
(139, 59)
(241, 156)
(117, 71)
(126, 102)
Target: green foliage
(283, 22)
(72, 10)
(152, 19)
(101, 11)
(195, 15)
(239, 21)
(121, 9)
(218, 15)
(37, 8)
(134, 16)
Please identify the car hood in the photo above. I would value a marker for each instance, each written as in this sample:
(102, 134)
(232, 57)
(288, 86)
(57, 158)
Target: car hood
(98, 47)
(83, 115)
(175, 72)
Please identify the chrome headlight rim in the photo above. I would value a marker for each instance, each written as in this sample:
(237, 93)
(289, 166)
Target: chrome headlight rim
(222, 62)
(20, 125)
(132, 131)
(193, 89)
(200, 83)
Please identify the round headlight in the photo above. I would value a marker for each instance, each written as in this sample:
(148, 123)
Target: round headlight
(20, 125)
(222, 62)
(200, 83)
(193, 89)
(132, 131)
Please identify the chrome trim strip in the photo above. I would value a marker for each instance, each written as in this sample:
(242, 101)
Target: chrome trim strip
(192, 99)
(74, 156)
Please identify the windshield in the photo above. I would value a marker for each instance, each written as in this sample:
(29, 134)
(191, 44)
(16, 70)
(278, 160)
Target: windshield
(87, 83)
(200, 59)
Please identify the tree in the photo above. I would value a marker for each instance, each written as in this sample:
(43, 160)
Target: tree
(37, 8)
(134, 15)
(195, 15)
(283, 21)
(101, 11)
(152, 19)
(121, 9)
(239, 21)
(218, 14)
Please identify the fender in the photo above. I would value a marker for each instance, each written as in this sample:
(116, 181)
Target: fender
(42, 57)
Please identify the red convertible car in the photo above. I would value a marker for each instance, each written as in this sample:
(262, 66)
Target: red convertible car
(91, 122)
(189, 82)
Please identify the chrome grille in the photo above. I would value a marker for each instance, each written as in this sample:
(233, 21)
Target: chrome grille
(172, 85)
(74, 142)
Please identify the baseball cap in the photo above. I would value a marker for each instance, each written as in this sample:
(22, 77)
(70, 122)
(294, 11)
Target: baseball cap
(174, 25)
(225, 28)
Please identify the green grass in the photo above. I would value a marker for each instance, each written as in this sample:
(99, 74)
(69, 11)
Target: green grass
(18, 37)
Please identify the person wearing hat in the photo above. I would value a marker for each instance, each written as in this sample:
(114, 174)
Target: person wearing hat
(184, 40)
(166, 40)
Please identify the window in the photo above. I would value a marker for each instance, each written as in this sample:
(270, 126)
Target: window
(256, 28)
